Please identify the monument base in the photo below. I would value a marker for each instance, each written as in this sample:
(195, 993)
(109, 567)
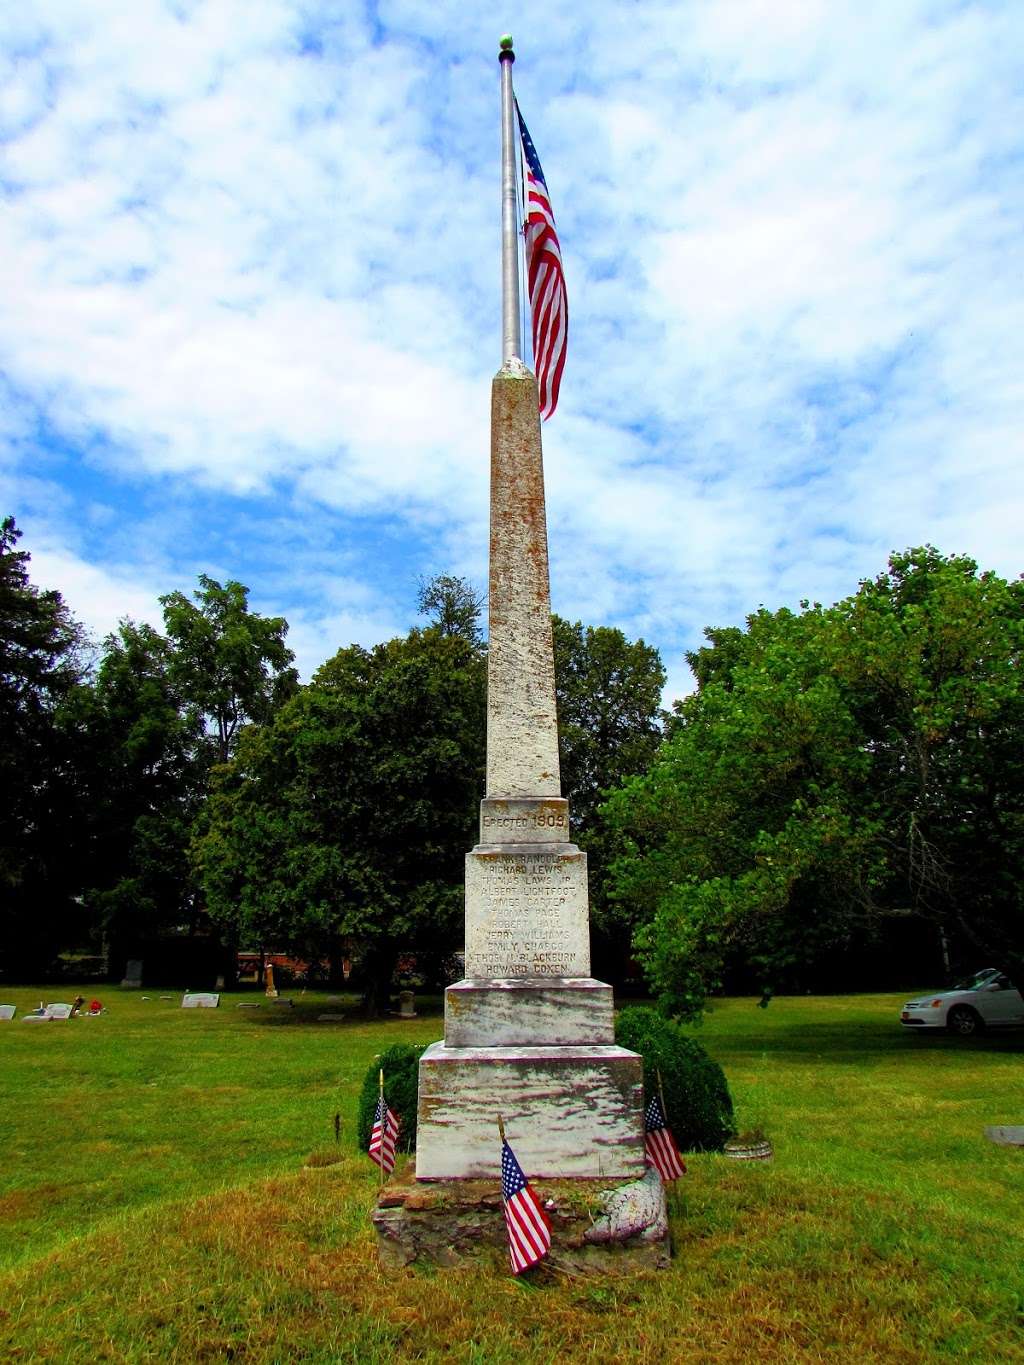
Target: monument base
(522, 1011)
(598, 1227)
(572, 1112)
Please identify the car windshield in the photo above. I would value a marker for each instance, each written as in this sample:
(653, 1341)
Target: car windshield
(978, 979)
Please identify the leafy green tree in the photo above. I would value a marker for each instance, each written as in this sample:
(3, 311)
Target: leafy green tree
(835, 769)
(164, 708)
(347, 817)
(149, 781)
(609, 728)
(43, 659)
(453, 606)
(609, 711)
(230, 665)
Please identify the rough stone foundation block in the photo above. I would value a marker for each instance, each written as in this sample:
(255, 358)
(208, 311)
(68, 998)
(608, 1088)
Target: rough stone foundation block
(598, 1227)
(526, 911)
(522, 1011)
(568, 1111)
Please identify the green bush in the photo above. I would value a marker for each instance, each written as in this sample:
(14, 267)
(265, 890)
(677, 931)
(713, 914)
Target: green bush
(697, 1099)
(400, 1065)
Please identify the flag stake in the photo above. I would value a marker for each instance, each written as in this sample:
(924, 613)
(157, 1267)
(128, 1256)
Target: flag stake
(381, 1167)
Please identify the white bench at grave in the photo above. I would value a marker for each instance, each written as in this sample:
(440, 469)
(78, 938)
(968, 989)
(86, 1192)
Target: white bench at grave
(8, 1011)
(200, 1000)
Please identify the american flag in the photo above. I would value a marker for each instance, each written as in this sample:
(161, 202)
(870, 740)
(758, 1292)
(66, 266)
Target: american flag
(549, 307)
(384, 1137)
(662, 1152)
(529, 1229)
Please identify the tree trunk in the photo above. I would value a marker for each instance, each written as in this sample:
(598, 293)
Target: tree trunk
(379, 968)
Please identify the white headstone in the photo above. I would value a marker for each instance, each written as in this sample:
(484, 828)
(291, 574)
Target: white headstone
(200, 1000)
(60, 1011)
(8, 1011)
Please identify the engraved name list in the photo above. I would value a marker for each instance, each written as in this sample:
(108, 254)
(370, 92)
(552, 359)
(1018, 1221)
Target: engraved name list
(527, 914)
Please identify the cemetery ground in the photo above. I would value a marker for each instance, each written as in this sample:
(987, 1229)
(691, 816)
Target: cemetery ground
(170, 1189)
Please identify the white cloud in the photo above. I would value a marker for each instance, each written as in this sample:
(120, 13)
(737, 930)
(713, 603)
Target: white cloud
(250, 250)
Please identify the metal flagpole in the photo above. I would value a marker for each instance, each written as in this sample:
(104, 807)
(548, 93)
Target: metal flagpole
(511, 333)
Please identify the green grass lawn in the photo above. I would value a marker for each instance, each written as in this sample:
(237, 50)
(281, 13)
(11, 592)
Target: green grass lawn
(156, 1202)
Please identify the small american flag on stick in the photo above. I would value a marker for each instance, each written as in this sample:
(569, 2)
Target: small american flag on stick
(549, 306)
(662, 1152)
(529, 1228)
(384, 1134)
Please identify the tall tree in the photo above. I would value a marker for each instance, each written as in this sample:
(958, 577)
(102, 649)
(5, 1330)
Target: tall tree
(165, 707)
(148, 788)
(453, 605)
(836, 769)
(609, 728)
(609, 711)
(42, 661)
(230, 664)
(348, 816)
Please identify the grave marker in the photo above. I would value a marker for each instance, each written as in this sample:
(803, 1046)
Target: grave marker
(132, 975)
(200, 1000)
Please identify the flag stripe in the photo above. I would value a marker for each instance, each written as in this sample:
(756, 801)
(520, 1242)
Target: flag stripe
(528, 1226)
(662, 1152)
(549, 306)
(384, 1137)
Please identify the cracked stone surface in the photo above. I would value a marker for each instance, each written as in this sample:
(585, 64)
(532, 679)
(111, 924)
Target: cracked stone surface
(598, 1227)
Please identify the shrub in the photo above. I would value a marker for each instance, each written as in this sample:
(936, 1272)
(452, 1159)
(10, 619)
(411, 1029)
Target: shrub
(400, 1065)
(697, 1099)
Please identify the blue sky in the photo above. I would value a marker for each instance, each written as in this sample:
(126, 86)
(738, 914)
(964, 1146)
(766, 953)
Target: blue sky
(250, 300)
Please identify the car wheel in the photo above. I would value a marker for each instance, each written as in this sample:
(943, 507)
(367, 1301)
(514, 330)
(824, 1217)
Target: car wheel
(963, 1021)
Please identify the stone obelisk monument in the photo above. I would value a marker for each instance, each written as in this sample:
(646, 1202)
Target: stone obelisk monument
(528, 1032)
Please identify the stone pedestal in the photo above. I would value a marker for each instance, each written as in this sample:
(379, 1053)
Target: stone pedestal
(569, 1111)
(529, 1034)
(520, 1011)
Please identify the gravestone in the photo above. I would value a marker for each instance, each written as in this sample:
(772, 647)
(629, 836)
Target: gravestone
(528, 1032)
(58, 1011)
(132, 975)
(406, 1005)
(8, 1011)
(1005, 1135)
(200, 1000)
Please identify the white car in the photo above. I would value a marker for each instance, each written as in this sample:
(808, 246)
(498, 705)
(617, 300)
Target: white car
(987, 999)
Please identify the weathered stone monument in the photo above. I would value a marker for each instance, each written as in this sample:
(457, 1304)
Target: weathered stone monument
(529, 1033)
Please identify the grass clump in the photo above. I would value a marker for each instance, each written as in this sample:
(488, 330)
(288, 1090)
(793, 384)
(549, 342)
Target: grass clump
(697, 1100)
(400, 1064)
